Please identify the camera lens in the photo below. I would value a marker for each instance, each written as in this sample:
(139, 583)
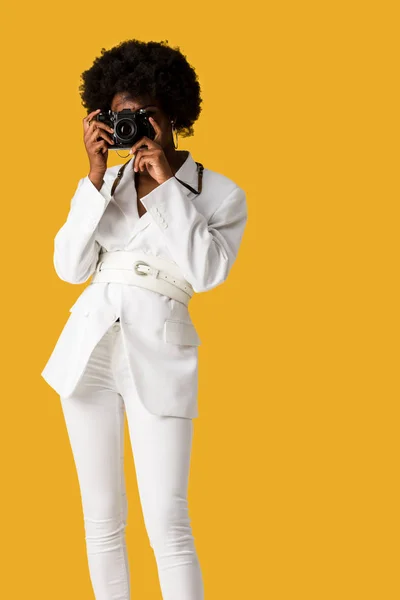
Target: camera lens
(125, 129)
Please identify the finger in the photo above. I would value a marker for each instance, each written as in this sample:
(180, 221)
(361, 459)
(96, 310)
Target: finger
(136, 166)
(143, 162)
(91, 115)
(137, 146)
(144, 140)
(156, 126)
(88, 118)
(97, 132)
(100, 147)
(95, 127)
(140, 152)
(140, 165)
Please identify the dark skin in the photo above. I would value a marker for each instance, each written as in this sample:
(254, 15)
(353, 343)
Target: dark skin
(154, 164)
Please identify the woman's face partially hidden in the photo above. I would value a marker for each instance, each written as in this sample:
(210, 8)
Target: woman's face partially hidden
(123, 100)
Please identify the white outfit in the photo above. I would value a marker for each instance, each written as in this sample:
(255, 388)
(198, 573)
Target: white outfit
(101, 368)
(200, 234)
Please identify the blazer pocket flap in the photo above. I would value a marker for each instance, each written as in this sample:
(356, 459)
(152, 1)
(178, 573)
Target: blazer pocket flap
(180, 332)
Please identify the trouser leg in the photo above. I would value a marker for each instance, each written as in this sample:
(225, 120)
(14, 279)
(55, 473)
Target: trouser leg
(161, 447)
(94, 417)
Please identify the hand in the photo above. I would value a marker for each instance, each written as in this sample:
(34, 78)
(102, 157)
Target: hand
(97, 150)
(152, 157)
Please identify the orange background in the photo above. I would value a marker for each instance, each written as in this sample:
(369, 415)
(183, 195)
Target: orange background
(294, 490)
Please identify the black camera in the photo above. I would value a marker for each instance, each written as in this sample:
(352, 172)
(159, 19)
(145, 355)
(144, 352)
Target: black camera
(129, 126)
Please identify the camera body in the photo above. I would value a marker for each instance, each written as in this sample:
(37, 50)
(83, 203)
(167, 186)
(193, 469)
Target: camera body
(129, 126)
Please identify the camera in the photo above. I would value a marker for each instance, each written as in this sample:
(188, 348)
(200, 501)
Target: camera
(129, 126)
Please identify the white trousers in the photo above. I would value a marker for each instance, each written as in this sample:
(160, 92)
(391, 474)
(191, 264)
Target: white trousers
(161, 446)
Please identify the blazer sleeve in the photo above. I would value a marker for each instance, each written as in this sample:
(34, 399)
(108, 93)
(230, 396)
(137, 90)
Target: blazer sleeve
(76, 250)
(204, 250)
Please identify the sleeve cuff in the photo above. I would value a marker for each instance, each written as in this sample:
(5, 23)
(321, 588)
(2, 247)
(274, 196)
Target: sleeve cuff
(105, 189)
(156, 197)
(90, 203)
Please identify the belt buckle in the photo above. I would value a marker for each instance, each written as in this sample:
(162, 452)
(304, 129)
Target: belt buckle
(136, 264)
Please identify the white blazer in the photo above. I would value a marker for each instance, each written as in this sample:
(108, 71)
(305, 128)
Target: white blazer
(200, 233)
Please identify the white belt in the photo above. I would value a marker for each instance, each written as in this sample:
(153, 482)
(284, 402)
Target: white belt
(144, 270)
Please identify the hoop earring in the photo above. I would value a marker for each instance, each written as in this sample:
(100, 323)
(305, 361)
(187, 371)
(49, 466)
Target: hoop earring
(176, 135)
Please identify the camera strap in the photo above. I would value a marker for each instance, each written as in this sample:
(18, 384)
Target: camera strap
(200, 170)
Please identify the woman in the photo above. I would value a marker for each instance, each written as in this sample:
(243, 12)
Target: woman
(151, 232)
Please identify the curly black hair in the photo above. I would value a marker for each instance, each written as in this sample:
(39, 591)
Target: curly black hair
(145, 69)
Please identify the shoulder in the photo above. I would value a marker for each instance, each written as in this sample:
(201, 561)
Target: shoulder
(222, 184)
(224, 196)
